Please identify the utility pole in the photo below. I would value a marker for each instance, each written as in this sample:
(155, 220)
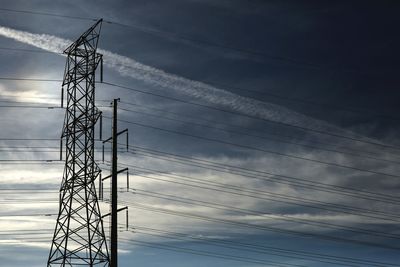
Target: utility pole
(114, 184)
(114, 189)
(79, 238)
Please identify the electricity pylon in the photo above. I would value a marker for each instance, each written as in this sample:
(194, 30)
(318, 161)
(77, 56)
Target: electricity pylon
(79, 238)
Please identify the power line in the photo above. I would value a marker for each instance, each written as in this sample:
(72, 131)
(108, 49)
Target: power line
(32, 107)
(280, 135)
(257, 248)
(223, 110)
(46, 14)
(12, 96)
(24, 231)
(29, 160)
(29, 139)
(27, 50)
(290, 99)
(196, 41)
(264, 195)
(236, 170)
(206, 253)
(325, 106)
(254, 117)
(319, 189)
(28, 191)
(283, 217)
(22, 104)
(28, 215)
(31, 151)
(220, 129)
(141, 206)
(178, 37)
(264, 192)
(29, 79)
(128, 240)
(28, 148)
(33, 163)
(247, 211)
(264, 175)
(15, 202)
(261, 137)
(24, 240)
(35, 103)
(257, 149)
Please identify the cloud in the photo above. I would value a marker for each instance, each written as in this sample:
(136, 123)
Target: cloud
(39, 95)
(215, 96)
(131, 68)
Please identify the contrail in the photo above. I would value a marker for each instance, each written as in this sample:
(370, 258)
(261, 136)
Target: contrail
(131, 68)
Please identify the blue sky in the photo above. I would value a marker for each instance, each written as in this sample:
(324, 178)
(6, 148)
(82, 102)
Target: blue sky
(282, 116)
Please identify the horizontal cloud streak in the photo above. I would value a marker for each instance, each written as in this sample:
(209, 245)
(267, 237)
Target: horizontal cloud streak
(131, 68)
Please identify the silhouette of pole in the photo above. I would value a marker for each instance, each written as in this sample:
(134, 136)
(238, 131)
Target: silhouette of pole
(114, 184)
(114, 189)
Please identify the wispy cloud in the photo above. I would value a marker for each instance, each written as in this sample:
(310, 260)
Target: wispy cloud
(131, 68)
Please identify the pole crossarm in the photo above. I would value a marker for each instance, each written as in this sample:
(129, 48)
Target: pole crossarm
(112, 138)
(118, 172)
(118, 210)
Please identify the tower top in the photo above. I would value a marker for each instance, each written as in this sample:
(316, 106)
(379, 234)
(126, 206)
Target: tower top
(87, 42)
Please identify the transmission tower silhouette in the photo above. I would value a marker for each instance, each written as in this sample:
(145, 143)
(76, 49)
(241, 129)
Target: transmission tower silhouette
(79, 238)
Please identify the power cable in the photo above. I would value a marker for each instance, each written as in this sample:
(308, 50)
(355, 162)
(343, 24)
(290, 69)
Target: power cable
(268, 94)
(280, 135)
(45, 14)
(257, 248)
(263, 175)
(225, 111)
(270, 196)
(282, 217)
(244, 172)
(207, 253)
(308, 102)
(29, 79)
(256, 226)
(32, 107)
(28, 215)
(178, 37)
(29, 50)
(257, 148)
(254, 117)
(261, 137)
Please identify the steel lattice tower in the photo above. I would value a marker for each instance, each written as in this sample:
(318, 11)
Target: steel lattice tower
(79, 238)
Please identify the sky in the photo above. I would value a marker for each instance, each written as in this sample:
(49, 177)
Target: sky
(261, 133)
